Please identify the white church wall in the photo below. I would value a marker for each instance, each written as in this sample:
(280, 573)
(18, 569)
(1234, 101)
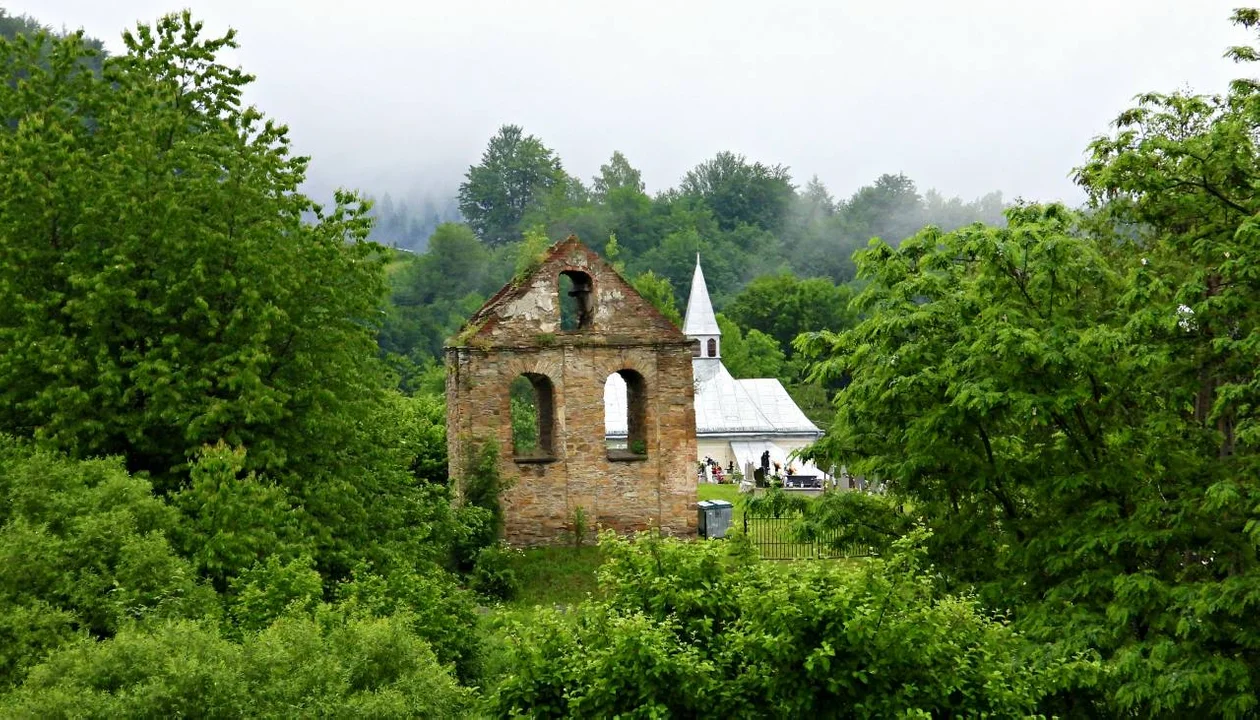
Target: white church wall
(718, 449)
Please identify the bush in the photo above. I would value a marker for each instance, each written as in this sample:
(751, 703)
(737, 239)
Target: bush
(493, 576)
(82, 552)
(296, 667)
(686, 629)
(231, 519)
(481, 484)
(474, 530)
(437, 609)
(271, 589)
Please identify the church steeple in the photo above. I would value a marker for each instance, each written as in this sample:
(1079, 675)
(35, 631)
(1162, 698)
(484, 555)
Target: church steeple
(701, 324)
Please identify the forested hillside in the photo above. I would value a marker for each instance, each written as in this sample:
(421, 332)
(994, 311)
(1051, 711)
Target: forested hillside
(224, 488)
(12, 26)
(776, 252)
(407, 225)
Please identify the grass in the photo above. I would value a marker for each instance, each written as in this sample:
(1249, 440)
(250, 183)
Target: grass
(550, 576)
(713, 491)
(565, 576)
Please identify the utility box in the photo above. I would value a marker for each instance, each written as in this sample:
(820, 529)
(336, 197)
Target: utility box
(714, 518)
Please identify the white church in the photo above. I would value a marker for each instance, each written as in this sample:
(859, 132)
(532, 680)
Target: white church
(737, 421)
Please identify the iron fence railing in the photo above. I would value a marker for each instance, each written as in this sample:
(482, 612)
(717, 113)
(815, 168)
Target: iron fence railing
(775, 539)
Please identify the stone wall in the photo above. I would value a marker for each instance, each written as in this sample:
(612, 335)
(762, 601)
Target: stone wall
(518, 332)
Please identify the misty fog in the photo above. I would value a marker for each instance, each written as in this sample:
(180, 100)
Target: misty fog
(965, 97)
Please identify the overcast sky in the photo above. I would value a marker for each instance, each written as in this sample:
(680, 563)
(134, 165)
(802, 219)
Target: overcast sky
(965, 96)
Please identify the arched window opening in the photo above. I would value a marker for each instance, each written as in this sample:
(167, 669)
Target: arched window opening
(625, 411)
(712, 347)
(697, 349)
(533, 417)
(577, 300)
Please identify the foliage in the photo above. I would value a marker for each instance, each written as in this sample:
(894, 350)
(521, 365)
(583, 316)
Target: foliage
(430, 603)
(432, 294)
(515, 173)
(580, 523)
(165, 291)
(481, 484)
(744, 217)
(271, 589)
(685, 629)
(739, 192)
(530, 253)
(658, 291)
(13, 26)
(524, 408)
(298, 665)
(230, 522)
(1043, 402)
(475, 529)
(160, 289)
(756, 355)
(493, 575)
(421, 445)
(481, 521)
(774, 503)
(616, 176)
(82, 552)
(408, 225)
(784, 306)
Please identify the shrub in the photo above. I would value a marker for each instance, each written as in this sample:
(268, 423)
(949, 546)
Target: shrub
(474, 530)
(493, 576)
(299, 666)
(271, 589)
(231, 519)
(686, 629)
(437, 609)
(82, 551)
(580, 526)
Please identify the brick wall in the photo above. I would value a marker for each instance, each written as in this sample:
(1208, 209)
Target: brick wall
(518, 332)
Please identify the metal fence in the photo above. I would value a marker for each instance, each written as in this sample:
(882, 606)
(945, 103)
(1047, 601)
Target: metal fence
(775, 540)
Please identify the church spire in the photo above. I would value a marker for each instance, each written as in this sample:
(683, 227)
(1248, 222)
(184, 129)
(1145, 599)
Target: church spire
(700, 323)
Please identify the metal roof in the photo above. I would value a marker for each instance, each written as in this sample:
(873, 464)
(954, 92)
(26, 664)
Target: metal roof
(724, 405)
(700, 319)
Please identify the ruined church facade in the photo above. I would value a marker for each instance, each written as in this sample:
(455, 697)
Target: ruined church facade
(649, 480)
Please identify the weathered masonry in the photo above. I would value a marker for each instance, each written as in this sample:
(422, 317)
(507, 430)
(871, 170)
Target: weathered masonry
(555, 337)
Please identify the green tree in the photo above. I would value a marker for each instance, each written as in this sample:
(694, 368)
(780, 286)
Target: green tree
(755, 355)
(889, 209)
(1036, 393)
(739, 192)
(516, 173)
(13, 26)
(660, 292)
(159, 289)
(784, 306)
(432, 294)
(617, 175)
(232, 520)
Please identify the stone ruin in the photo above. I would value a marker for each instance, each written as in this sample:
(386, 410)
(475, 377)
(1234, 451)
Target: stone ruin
(566, 348)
